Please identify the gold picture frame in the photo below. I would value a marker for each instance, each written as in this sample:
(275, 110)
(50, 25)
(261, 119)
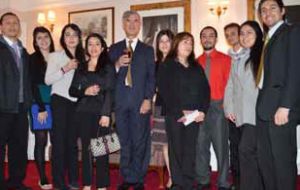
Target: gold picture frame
(95, 20)
(251, 9)
(175, 15)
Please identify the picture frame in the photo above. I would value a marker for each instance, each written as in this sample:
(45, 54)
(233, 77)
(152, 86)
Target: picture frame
(175, 15)
(99, 20)
(251, 8)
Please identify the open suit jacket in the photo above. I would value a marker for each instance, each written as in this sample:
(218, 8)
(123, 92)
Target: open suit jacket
(9, 79)
(280, 83)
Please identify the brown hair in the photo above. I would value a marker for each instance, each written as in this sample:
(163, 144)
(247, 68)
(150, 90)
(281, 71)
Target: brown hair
(174, 50)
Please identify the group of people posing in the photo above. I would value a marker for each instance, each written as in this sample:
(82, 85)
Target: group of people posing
(249, 97)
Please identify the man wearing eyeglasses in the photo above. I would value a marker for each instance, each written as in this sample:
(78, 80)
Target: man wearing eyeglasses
(214, 129)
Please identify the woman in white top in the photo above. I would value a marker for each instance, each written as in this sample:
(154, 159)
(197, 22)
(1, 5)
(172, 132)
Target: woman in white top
(240, 101)
(59, 74)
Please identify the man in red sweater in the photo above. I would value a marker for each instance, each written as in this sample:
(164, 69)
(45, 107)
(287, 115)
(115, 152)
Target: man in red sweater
(214, 129)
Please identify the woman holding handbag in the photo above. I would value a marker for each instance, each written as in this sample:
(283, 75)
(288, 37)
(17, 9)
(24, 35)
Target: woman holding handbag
(93, 85)
(43, 45)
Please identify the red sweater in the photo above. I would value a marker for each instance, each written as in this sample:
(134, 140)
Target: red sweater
(219, 72)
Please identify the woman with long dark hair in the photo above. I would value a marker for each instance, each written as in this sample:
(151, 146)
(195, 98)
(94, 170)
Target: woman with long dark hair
(59, 74)
(240, 101)
(93, 85)
(186, 94)
(159, 138)
(43, 45)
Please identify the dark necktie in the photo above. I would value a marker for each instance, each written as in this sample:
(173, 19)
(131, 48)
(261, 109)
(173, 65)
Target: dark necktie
(261, 64)
(128, 80)
(207, 67)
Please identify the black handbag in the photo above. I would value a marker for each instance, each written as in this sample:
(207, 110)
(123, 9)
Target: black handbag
(107, 144)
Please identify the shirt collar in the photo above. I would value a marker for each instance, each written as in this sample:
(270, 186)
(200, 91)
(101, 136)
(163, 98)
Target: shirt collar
(213, 53)
(11, 43)
(274, 28)
(8, 41)
(232, 52)
(133, 44)
(237, 55)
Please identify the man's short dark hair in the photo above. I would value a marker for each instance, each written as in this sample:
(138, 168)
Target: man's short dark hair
(279, 3)
(8, 14)
(209, 27)
(232, 25)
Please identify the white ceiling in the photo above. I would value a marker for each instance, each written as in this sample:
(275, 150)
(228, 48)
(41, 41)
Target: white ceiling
(26, 5)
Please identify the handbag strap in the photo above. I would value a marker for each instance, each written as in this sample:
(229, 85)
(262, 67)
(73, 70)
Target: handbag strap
(111, 130)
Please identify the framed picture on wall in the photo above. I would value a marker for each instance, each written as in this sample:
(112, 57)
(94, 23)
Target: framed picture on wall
(173, 15)
(95, 20)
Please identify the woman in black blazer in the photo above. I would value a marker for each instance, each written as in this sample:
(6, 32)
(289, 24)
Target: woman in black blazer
(93, 85)
(184, 89)
(43, 45)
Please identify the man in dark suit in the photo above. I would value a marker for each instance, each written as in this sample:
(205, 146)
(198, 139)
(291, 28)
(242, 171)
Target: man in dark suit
(15, 99)
(278, 100)
(134, 62)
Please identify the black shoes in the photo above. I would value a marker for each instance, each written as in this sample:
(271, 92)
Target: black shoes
(223, 188)
(124, 186)
(139, 186)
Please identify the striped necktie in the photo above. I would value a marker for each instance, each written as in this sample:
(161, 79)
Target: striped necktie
(260, 71)
(16, 53)
(128, 80)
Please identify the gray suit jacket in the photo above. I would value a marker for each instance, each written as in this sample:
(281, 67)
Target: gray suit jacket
(241, 92)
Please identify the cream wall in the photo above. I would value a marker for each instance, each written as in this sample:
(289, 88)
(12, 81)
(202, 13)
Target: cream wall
(200, 17)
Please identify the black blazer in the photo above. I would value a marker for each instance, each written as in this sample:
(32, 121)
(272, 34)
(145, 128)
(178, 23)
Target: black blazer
(183, 88)
(37, 71)
(281, 75)
(100, 104)
(9, 80)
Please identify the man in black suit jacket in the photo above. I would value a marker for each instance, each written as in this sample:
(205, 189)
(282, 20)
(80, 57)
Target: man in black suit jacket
(278, 102)
(15, 99)
(135, 85)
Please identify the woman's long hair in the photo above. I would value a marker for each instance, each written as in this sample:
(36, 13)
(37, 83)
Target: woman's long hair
(256, 49)
(174, 50)
(36, 31)
(79, 52)
(170, 35)
(103, 58)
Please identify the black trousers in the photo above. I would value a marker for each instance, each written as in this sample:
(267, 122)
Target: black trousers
(14, 134)
(63, 137)
(277, 153)
(182, 151)
(89, 128)
(235, 134)
(251, 178)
